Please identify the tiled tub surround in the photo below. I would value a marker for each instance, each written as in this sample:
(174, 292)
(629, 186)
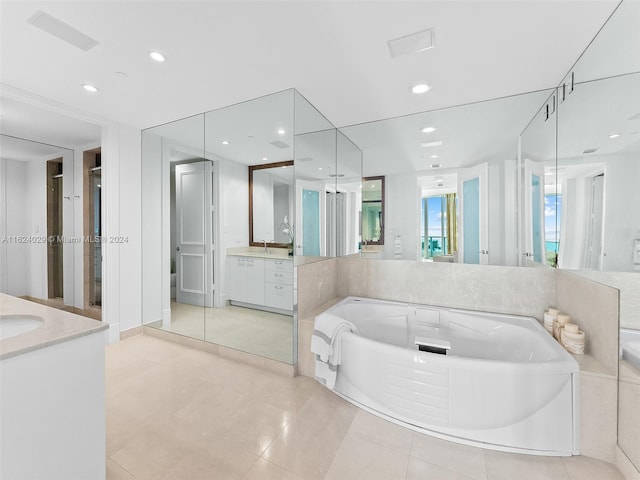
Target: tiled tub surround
(516, 290)
(52, 392)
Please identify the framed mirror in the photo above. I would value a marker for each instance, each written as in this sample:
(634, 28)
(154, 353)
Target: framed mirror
(373, 210)
(271, 200)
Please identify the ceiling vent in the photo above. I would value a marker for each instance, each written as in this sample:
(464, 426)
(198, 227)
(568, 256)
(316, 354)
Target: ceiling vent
(280, 144)
(61, 30)
(304, 159)
(413, 43)
(635, 117)
(590, 150)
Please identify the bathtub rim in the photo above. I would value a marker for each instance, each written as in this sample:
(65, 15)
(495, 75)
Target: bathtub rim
(562, 359)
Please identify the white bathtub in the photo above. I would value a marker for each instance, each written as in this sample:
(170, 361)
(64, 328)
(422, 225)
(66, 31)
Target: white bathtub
(630, 346)
(505, 383)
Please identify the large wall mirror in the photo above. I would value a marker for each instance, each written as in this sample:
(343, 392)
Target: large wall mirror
(597, 177)
(227, 215)
(450, 181)
(373, 210)
(271, 205)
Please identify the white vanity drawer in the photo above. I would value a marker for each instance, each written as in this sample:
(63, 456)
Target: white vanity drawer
(280, 277)
(278, 296)
(274, 265)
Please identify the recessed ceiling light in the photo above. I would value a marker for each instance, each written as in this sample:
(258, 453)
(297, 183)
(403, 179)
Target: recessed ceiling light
(319, 168)
(435, 165)
(614, 135)
(281, 131)
(420, 88)
(157, 56)
(429, 129)
(264, 159)
(431, 144)
(225, 142)
(283, 166)
(434, 156)
(90, 88)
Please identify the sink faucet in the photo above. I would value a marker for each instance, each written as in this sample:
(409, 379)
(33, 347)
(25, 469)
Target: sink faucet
(265, 246)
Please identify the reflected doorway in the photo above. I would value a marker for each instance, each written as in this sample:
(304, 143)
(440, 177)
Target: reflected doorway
(55, 259)
(92, 221)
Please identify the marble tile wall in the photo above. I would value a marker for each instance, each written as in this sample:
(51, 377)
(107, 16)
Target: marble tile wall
(594, 307)
(515, 290)
(317, 291)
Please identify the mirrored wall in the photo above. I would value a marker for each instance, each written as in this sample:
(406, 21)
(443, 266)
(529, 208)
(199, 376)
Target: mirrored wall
(233, 200)
(36, 214)
(598, 173)
(443, 185)
(586, 140)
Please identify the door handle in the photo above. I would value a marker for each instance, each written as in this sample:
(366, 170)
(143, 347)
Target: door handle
(177, 249)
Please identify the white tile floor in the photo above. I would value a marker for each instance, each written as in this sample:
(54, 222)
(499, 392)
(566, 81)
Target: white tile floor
(177, 413)
(255, 331)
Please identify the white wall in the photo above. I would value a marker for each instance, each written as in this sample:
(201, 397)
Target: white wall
(263, 196)
(15, 206)
(129, 228)
(622, 207)
(37, 215)
(151, 227)
(233, 214)
(402, 215)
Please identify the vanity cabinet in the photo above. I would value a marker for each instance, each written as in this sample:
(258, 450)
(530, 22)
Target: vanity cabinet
(263, 283)
(278, 284)
(246, 280)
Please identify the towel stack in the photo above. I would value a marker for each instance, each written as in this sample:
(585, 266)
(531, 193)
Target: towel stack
(572, 338)
(550, 316)
(568, 334)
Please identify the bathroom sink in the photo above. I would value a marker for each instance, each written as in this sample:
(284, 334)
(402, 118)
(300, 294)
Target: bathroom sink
(13, 325)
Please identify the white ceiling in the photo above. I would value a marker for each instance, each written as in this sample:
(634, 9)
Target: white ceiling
(333, 52)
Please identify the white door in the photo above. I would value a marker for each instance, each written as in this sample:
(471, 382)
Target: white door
(534, 214)
(473, 204)
(194, 279)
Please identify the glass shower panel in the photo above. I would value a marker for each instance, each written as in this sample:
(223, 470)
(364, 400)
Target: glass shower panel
(311, 223)
(175, 256)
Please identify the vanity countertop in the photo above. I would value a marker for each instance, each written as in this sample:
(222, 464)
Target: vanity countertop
(57, 326)
(258, 252)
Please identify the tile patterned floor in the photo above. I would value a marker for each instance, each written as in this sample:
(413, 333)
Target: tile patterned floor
(178, 413)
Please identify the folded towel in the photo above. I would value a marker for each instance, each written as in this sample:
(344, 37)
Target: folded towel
(326, 343)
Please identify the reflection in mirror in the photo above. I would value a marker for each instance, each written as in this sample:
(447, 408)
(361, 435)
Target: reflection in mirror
(348, 197)
(438, 153)
(316, 174)
(541, 207)
(598, 172)
(271, 199)
(373, 210)
(211, 283)
(36, 211)
(177, 249)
